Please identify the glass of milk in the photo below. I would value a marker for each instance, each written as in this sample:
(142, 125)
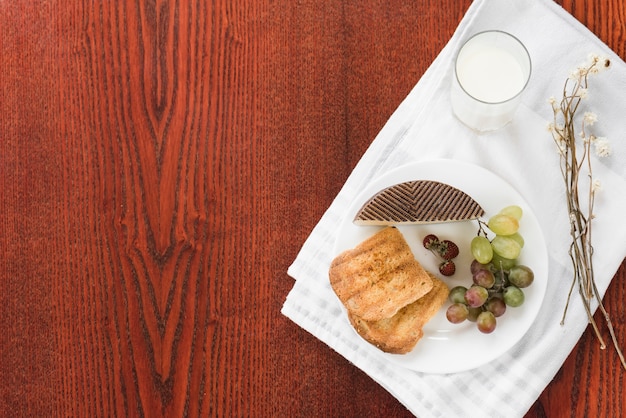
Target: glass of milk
(491, 71)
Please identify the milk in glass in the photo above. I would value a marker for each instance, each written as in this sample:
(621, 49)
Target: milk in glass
(491, 71)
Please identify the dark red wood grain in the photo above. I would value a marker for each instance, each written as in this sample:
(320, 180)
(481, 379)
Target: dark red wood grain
(161, 163)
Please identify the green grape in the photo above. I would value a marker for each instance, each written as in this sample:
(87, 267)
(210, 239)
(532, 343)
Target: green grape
(513, 210)
(457, 313)
(521, 276)
(517, 237)
(486, 322)
(513, 296)
(501, 263)
(472, 316)
(476, 296)
(457, 294)
(481, 249)
(506, 247)
(502, 224)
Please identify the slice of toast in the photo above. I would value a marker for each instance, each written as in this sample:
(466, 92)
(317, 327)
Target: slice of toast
(379, 276)
(400, 333)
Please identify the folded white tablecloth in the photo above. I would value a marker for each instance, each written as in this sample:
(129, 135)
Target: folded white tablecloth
(523, 154)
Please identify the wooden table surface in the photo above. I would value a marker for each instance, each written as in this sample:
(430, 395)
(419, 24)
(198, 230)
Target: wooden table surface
(161, 164)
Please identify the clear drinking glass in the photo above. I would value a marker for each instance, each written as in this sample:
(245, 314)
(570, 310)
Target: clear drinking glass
(491, 71)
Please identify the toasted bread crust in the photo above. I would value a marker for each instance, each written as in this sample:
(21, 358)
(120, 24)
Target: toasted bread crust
(400, 333)
(379, 277)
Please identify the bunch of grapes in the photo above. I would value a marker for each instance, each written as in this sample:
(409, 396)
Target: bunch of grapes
(497, 278)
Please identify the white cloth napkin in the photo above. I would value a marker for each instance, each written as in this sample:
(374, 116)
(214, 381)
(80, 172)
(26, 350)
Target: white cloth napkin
(523, 154)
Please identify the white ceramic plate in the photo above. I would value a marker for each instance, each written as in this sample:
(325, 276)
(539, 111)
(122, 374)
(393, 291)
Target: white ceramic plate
(446, 347)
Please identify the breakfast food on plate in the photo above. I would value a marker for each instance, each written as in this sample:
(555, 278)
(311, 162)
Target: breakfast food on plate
(379, 276)
(417, 202)
(400, 333)
(445, 250)
(387, 294)
(498, 279)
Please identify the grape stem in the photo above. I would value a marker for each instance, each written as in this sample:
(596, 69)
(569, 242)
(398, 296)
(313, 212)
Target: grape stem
(482, 225)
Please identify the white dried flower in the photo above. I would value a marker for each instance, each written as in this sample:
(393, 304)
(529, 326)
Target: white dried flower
(604, 63)
(592, 63)
(589, 118)
(593, 58)
(561, 145)
(576, 73)
(582, 93)
(554, 128)
(572, 217)
(602, 147)
(596, 186)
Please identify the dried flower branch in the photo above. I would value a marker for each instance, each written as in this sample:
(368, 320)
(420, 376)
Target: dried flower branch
(576, 163)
